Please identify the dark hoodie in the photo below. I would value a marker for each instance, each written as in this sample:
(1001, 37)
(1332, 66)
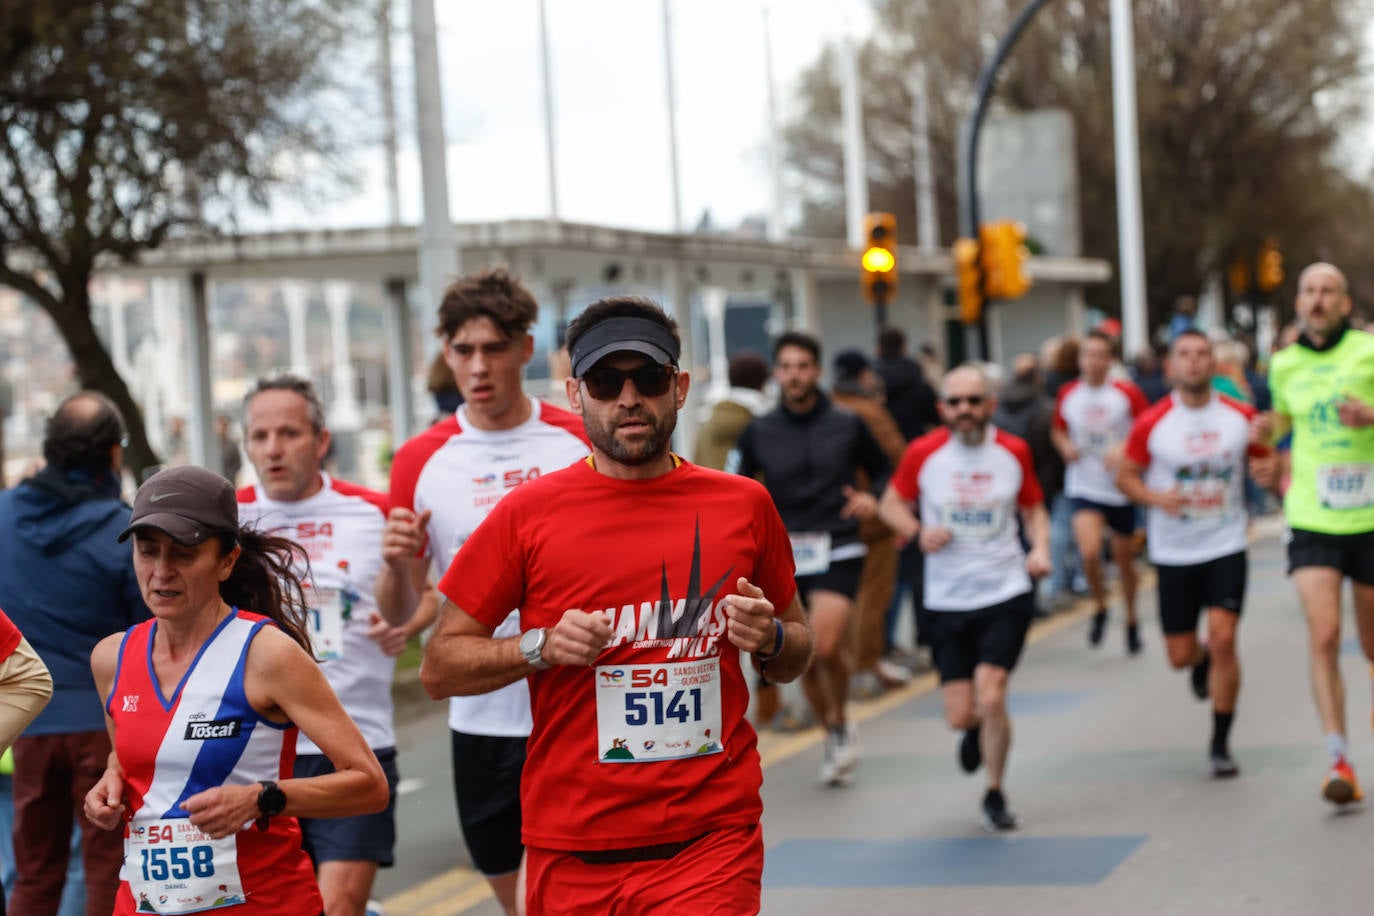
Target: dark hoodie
(67, 584)
(1024, 410)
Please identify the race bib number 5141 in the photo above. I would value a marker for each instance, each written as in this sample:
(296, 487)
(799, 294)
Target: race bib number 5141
(661, 711)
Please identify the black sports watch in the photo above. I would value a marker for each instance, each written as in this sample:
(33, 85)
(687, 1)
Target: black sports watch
(271, 801)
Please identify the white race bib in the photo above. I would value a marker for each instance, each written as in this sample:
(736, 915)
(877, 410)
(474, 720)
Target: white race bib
(172, 867)
(326, 616)
(811, 552)
(1206, 500)
(662, 711)
(974, 521)
(1097, 442)
(1346, 486)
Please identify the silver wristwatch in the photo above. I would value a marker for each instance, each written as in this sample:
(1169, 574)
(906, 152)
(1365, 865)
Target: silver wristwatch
(532, 647)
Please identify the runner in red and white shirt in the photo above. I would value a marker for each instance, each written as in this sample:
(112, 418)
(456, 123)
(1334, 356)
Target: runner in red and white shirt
(356, 641)
(1186, 460)
(450, 477)
(639, 579)
(969, 482)
(1092, 417)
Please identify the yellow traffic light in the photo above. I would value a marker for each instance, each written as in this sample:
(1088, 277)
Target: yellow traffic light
(969, 275)
(1269, 270)
(878, 278)
(1004, 259)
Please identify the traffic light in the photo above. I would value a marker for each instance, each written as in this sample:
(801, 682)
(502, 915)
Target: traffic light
(1004, 258)
(878, 266)
(1238, 277)
(1269, 269)
(969, 274)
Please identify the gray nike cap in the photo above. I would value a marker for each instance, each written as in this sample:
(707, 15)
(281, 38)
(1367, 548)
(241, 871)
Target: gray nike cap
(189, 503)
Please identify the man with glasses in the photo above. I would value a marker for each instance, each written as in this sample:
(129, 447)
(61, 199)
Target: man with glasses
(444, 482)
(968, 482)
(808, 453)
(639, 578)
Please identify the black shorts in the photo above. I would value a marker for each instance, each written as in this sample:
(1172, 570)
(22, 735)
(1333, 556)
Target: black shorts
(842, 578)
(486, 784)
(361, 838)
(1120, 519)
(963, 640)
(1352, 554)
(1185, 590)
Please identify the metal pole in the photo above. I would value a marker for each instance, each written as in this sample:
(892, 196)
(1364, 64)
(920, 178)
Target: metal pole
(927, 211)
(969, 214)
(548, 112)
(673, 176)
(777, 226)
(388, 91)
(855, 163)
(1130, 228)
(438, 243)
(202, 440)
(400, 366)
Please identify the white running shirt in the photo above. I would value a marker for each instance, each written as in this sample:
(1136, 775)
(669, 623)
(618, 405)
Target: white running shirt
(1202, 451)
(340, 528)
(460, 472)
(1097, 421)
(975, 492)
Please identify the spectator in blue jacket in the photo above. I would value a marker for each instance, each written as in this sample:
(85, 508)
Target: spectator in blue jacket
(67, 583)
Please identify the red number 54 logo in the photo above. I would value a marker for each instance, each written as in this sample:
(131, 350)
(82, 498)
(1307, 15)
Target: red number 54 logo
(517, 477)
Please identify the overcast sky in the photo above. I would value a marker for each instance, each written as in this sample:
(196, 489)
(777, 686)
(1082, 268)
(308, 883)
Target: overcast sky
(609, 99)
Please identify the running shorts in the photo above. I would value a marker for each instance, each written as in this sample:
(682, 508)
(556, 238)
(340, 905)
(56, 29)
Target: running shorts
(486, 785)
(1185, 590)
(963, 640)
(361, 838)
(841, 578)
(1120, 519)
(1352, 554)
(720, 873)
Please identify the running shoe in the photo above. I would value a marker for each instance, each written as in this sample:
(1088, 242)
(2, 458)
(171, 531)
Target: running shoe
(996, 816)
(1201, 673)
(971, 749)
(1341, 787)
(1133, 643)
(891, 673)
(841, 754)
(1223, 767)
(1098, 628)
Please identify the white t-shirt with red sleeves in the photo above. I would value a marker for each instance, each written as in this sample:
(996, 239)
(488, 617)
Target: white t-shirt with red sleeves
(975, 492)
(340, 528)
(460, 472)
(1097, 419)
(1202, 452)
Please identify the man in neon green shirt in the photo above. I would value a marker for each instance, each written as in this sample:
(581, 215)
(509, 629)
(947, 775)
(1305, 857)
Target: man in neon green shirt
(1323, 389)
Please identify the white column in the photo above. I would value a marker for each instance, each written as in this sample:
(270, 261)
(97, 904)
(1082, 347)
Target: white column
(388, 93)
(1135, 333)
(439, 260)
(927, 211)
(855, 159)
(296, 299)
(713, 308)
(343, 412)
(806, 315)
(675, 279)
(119, 327)
(549, 145)
(674, 179)
(777, 225)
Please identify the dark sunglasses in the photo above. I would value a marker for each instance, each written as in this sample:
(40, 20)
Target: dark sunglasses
(604, 383)
(972, 400)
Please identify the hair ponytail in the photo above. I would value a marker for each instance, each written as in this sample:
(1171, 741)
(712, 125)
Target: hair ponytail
(265, 581)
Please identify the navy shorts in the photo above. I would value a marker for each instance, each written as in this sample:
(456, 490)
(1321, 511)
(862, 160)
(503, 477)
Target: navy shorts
(963, 640)
(486, 785)
(361, 838)
(1120, 519)
(842, 578)
(1185, 590)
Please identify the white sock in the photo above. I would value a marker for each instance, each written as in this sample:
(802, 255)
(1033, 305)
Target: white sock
(1336, 746)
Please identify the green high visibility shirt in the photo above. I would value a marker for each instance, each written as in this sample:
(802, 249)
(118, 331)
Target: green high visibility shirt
(1332, 489)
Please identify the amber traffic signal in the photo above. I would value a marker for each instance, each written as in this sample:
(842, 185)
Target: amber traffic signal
(1269, 267)
(1004, 256)
(878, 265)
(969, 274)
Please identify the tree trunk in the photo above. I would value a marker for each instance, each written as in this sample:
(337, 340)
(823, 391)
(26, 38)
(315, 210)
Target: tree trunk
(96, 371)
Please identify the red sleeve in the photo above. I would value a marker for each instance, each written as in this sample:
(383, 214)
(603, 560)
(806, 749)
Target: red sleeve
(1030, 494)
(411, 458)
(1138, 441)
(776, 572)
(1139, 403)
(9, 637)
(906, 479)
(565, 420)
(1254, 449)
(487, 576)
(381, 501)
(1060, 423)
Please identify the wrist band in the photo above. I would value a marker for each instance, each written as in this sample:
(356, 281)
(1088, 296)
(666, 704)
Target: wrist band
(777, 643)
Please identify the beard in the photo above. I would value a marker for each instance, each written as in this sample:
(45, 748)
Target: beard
(970, 434)
(642, 450)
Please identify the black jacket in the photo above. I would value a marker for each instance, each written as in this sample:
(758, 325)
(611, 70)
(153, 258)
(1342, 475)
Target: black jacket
(910, 399)
(806, 459)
